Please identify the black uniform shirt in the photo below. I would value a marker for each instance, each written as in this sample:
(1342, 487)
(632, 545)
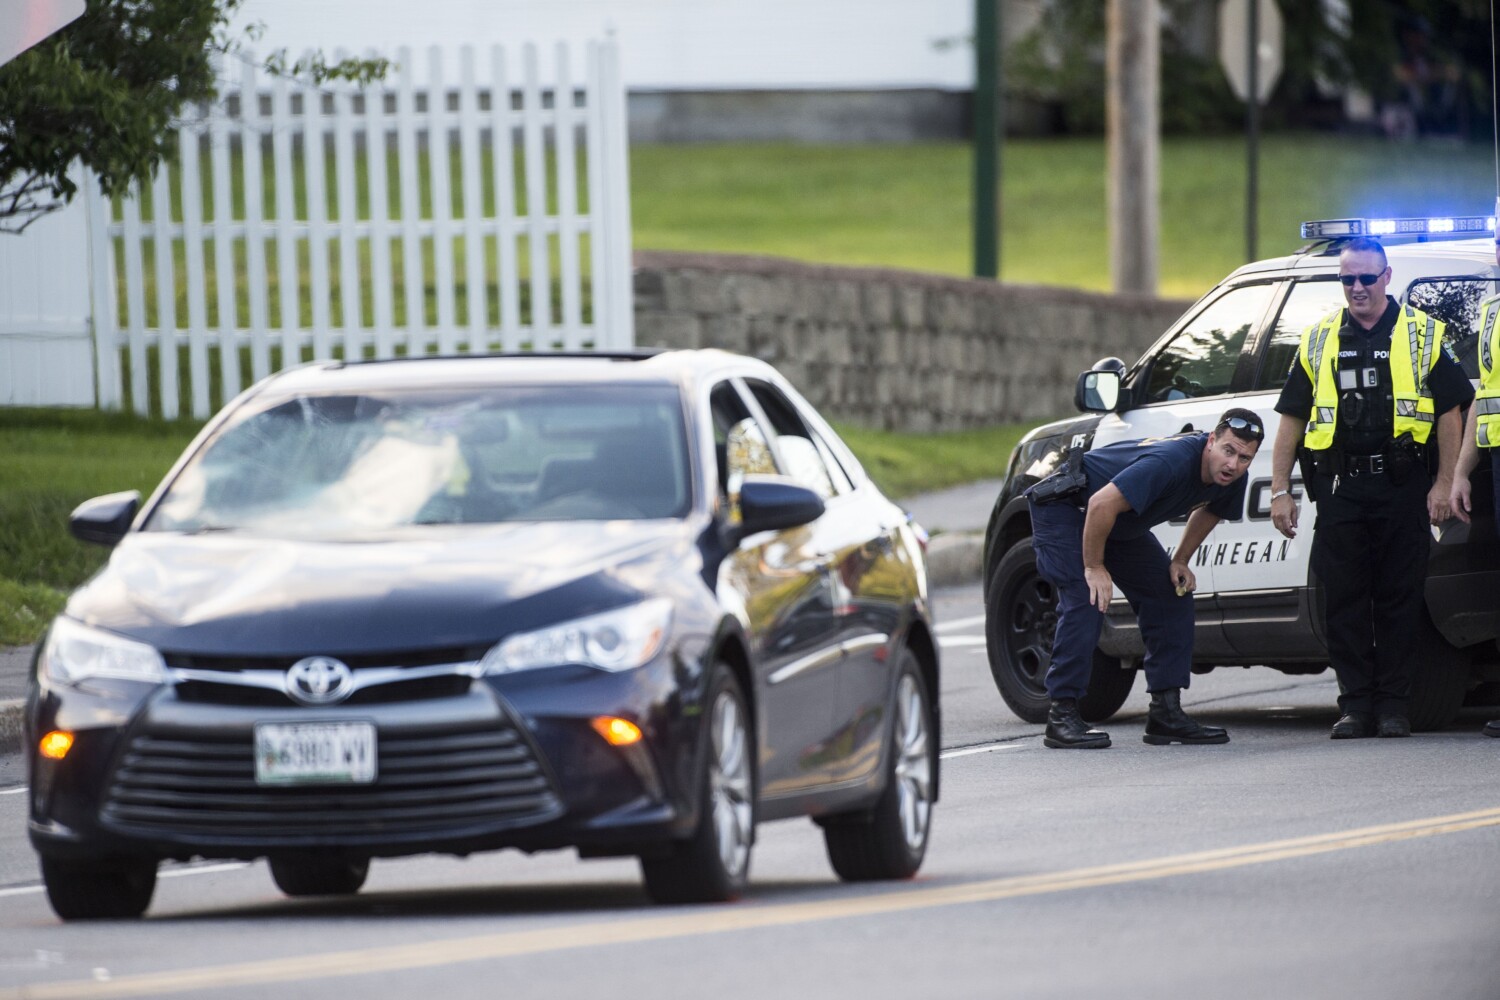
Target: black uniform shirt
(1357, 346)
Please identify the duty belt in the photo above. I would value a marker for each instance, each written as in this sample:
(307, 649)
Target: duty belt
(1363, 465)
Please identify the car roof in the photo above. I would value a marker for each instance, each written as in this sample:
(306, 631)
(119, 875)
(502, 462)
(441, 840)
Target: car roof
(645, 367)
(1408, 261)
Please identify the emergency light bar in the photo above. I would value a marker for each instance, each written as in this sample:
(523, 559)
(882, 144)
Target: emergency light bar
(1450, 225)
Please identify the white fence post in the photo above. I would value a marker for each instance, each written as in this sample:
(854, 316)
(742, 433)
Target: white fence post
(331, 250)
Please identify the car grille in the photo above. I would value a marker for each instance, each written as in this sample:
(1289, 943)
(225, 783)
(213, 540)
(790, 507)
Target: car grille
(379, 678)
(230, 692)
(205, 788)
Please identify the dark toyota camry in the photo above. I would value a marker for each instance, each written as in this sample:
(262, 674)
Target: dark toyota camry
(632, 605)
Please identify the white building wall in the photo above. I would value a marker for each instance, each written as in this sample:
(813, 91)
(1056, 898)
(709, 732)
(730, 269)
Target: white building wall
(665, 44)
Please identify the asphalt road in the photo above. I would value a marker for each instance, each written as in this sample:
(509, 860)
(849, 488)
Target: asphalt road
(1280, 865)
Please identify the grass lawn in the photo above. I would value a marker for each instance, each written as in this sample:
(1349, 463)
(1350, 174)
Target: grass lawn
(908, 206)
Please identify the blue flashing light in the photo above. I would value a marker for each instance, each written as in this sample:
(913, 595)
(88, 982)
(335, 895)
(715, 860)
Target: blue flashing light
(1327, 229)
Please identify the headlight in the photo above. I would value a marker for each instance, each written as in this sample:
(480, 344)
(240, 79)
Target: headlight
(76, 653)
(615, 640)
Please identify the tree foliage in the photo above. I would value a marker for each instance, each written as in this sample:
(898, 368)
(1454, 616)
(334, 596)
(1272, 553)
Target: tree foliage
(107, 89)
(1327, 47)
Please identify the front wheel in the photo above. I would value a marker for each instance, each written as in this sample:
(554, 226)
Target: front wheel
(1019, 626)
(713, 865)
(892, 841)
(99, 890)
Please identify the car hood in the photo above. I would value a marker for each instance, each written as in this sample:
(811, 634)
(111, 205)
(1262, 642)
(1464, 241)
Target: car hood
(433, 587)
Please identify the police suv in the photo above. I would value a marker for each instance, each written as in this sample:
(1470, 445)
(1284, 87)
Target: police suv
(1258, 602)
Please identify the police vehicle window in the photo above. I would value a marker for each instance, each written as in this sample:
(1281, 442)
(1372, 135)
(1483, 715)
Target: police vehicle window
(1200, 360)
(794, 440)
(1308, 302)
(1456, 303)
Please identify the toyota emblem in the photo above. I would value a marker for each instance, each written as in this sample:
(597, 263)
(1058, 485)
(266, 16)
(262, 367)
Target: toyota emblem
(319, 680)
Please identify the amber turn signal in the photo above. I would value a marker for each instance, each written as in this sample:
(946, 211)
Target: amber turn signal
(618, 732)
(56, 744)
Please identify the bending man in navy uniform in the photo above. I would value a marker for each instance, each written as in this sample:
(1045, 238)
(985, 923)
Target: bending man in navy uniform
(1099, 537)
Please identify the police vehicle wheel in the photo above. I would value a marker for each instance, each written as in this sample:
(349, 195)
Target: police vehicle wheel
(1439, 681)
(1020, 619)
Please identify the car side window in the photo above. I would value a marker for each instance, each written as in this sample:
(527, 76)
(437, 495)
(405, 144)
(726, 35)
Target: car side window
(1200, 360)
(1455, 301)
(739, 442)
(794, 441)
(1308, 302)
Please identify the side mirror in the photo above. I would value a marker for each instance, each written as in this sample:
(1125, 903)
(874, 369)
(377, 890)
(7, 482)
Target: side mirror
(1097, 391)
(104, 520)
(769, 503)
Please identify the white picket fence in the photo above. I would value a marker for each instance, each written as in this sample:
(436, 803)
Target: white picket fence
(496, 218)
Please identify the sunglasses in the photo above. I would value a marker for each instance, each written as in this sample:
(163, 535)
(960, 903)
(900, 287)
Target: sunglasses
(1241, 424)
(1364, 279)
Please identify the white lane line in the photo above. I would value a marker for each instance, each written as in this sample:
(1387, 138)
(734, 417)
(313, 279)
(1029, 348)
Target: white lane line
(968, 751)
(960, 623)
(958, 641)
(13, 791)
(228, 866)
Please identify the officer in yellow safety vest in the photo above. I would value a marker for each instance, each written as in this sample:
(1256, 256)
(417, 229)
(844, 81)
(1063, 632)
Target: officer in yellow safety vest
(1483, 430)
(1368, 387)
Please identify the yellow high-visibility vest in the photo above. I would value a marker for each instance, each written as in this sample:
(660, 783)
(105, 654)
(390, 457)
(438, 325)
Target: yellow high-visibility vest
(1415, 343)
(1487, 399)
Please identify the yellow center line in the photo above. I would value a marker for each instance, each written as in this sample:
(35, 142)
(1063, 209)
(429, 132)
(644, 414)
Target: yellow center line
(727, 919)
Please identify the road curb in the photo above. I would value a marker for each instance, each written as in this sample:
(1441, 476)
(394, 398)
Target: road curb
(11, 715)
(954, 559)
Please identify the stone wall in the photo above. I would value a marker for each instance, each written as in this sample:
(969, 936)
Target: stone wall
(898, 350)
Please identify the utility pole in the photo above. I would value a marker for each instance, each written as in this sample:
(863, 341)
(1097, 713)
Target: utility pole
(986, 138)
(1252, 130)
(1132, 111)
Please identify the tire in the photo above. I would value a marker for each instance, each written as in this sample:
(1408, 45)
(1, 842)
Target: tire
(1020, 620)
(891, 841)
(99, 890)
(1439, 682)
(713, 865)
(313, 876)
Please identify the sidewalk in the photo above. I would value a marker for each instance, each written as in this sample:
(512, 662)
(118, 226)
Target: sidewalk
(15, 665)
(955, 518)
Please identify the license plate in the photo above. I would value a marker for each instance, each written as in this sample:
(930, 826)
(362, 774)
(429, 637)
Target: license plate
(310, 753)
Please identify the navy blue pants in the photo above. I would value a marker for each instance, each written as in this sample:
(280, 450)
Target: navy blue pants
(1139, 568)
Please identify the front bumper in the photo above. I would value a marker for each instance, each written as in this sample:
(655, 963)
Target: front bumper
(468, 771)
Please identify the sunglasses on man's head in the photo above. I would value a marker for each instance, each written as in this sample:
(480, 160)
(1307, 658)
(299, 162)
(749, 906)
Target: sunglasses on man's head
(1364, 279)
(1241, 424)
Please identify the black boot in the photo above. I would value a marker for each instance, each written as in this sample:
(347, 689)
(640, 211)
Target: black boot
(1166, 722)
(1067, 730)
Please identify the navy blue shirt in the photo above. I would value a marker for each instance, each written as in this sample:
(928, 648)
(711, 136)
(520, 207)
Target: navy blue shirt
(1161, 478)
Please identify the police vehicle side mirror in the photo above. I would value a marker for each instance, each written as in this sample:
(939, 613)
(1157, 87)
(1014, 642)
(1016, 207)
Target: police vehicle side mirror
(1097, 392)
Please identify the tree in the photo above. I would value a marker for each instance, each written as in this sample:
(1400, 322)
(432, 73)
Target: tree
(107, 89)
